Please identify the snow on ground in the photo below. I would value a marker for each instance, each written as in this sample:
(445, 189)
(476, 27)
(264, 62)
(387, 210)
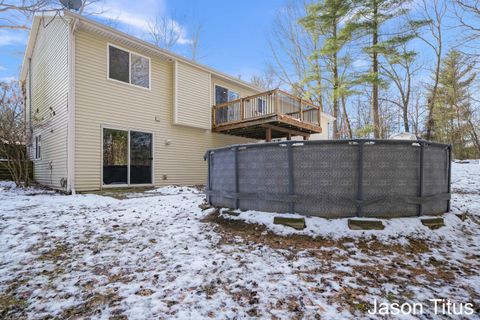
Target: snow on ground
(161, 256)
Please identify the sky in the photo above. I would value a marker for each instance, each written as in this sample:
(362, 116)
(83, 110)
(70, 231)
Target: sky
(233, 36)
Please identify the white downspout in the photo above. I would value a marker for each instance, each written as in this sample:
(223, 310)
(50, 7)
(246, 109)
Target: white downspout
(71, 109)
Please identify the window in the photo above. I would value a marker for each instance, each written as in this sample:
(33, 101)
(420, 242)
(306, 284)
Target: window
(128, 67)
(223, 95)
(261, 104)
(38, 147)
(330, 130)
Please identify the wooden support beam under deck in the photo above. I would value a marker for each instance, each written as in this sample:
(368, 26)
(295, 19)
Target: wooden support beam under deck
(268, 134)
(289, 132)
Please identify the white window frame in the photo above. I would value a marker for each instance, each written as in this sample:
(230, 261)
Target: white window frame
(130, 52)
(37, 144)
(128, 184)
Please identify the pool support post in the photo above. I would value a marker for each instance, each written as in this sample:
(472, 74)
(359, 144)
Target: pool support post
(421, 178)
(235, 173)
(360, 179)
(291, 191)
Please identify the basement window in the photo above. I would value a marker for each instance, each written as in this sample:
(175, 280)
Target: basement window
(38, 147)
(128, 67)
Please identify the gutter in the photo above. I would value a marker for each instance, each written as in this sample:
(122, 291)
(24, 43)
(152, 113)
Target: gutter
(71, 108)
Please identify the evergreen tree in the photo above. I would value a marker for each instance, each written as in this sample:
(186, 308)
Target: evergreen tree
(325, 18)
(369, 21)
(453, 105)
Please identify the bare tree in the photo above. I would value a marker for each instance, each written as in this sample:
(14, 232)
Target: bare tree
(267, 80)
(401, 70)
(291, 47)
(417, 111)
(13, 133)
(434, 11)
(467, 13)
(165, 32)
(195, 41)
(17, 14)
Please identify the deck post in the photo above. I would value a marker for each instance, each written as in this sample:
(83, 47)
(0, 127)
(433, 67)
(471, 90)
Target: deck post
(300, 108)
(318, 117)
(242, 109)
(268, 134)
(214, 116)
(289, 136)
(277, 101)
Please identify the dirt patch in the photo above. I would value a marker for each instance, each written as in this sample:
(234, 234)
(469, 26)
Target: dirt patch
(371, 262)
(259, 234)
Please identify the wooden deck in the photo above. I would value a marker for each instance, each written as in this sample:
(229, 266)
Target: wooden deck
(267, 115)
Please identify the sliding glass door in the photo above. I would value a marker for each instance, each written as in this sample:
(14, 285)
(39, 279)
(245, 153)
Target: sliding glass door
(140, 157)
(127, 157)
(115, 156)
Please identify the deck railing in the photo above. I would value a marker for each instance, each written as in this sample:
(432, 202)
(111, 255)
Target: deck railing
(270, 103)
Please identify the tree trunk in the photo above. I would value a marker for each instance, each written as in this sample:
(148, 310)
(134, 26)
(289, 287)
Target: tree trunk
(375, 109)
(345, 115)
(475, 137)
(335, 86)
(405, 118)
(406, 99)
(431, 103)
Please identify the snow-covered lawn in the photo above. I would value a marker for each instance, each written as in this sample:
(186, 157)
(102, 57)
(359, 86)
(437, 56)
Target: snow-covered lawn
(158, 255)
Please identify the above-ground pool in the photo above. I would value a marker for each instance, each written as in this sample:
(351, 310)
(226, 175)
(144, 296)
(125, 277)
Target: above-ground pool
(333, 178)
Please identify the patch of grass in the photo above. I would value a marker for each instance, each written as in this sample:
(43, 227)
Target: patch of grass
(93, 306)
(11, 307)
(361, 306)
(59, 253)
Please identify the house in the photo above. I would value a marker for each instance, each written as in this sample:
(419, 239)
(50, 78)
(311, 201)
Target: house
(105, 109)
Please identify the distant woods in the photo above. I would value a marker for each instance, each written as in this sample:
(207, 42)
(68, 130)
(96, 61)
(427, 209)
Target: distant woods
(384, 66)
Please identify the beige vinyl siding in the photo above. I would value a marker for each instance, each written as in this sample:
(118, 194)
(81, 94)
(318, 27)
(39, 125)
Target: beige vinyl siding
(49, 101)
(102, 102)
(324, 121)
(192, 93)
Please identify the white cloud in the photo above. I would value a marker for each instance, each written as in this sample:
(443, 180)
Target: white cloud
(138, 15)
(360, 63)
(2, 68)
(8, 38)
(8, 79)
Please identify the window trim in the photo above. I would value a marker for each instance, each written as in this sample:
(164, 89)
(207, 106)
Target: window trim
(37, 147)
(149, 88)
(128, 184)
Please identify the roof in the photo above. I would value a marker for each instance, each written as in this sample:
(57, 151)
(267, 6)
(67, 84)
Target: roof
(84, 22)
